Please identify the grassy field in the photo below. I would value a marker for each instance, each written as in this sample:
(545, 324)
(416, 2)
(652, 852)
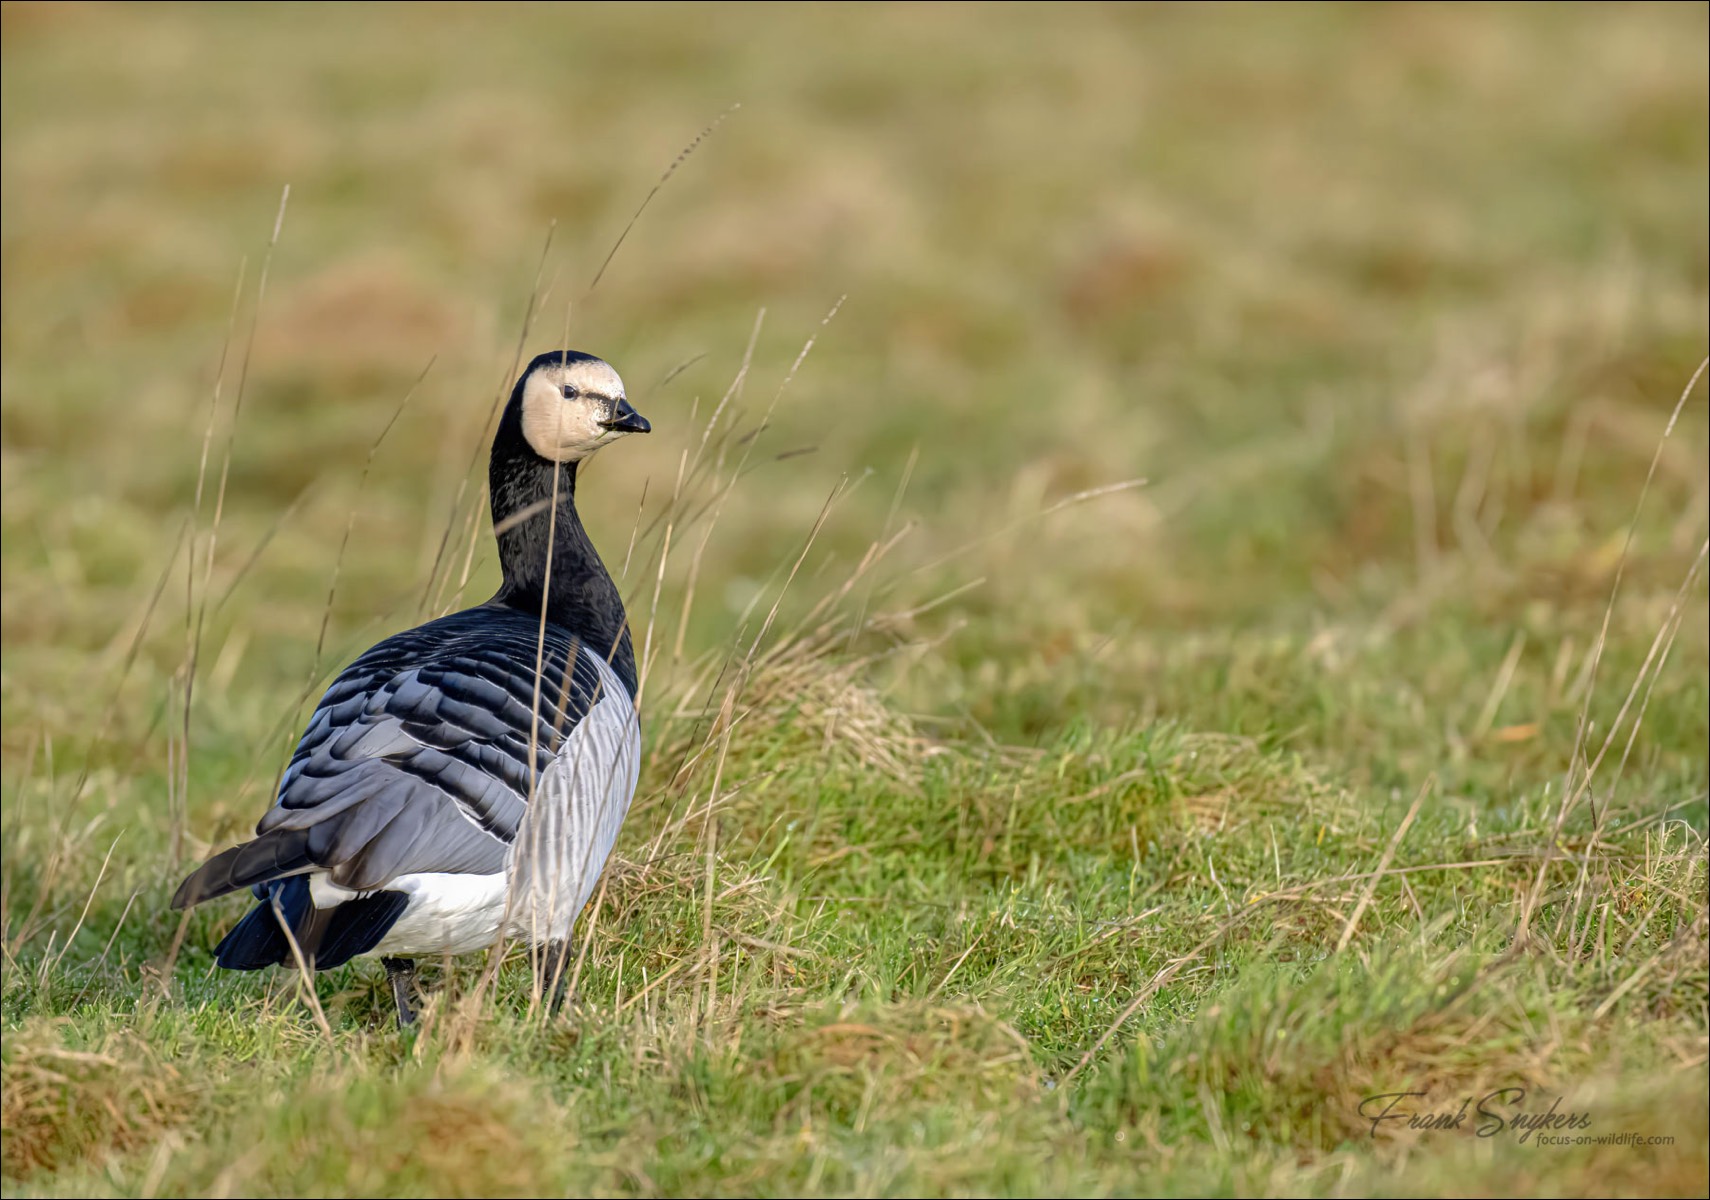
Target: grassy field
(1003, 829)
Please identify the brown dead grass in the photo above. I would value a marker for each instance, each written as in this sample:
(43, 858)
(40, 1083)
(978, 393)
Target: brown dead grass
(63, 1106)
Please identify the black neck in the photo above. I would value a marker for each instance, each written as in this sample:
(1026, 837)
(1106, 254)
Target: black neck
(547, 557)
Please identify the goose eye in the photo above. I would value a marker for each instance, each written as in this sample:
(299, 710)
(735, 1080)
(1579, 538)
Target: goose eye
(570, 392)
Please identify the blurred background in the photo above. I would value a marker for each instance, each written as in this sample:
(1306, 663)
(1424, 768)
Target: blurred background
(1388, 303)
(1389, 306)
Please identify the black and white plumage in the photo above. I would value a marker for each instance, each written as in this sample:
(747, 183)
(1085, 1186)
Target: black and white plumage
(465, 779)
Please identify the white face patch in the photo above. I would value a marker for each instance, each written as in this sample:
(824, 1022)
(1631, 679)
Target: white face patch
(563, 406)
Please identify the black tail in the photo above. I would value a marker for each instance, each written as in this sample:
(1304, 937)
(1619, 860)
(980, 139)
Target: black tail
(259, 939)
(326, 938)
(357, 927)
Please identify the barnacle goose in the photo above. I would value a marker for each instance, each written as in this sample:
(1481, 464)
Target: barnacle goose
(465, 778)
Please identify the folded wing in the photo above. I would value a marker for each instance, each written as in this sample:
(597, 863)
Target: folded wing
(421, 757)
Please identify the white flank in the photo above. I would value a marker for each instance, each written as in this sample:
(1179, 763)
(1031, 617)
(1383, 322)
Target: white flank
(447, 914)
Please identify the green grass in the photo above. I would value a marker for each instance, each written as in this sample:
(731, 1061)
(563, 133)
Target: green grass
(1105, 847)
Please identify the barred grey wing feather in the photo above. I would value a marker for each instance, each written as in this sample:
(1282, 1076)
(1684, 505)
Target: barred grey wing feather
(573, 823)
(421, 755)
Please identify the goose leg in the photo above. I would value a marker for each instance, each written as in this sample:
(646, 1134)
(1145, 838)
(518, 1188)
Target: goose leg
(555, 975)
(400, 973)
